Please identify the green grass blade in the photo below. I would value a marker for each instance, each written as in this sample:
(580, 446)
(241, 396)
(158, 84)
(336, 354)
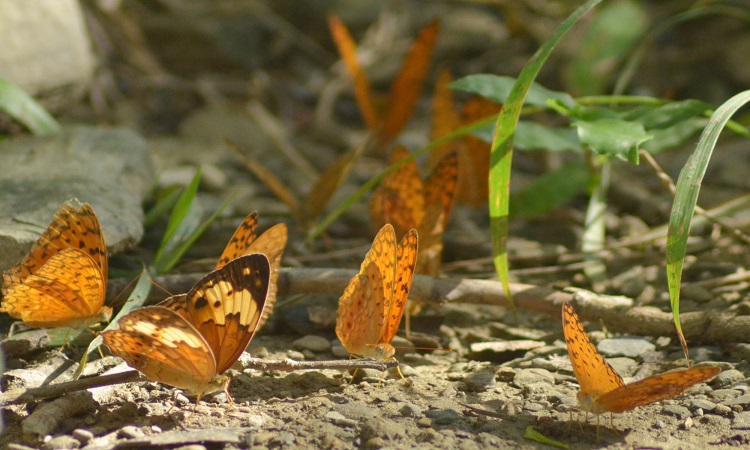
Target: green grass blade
(686, 197)
(501, 152)
(23, 108)
(136, 299)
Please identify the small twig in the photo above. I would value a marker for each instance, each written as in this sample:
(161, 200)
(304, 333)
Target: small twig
(20, 396)
(289, 365)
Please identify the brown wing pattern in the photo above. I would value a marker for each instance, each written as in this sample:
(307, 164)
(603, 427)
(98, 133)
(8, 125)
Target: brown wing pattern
(225, 306)
(407, 259)
(272, 244)
(595, 376)
(164, 346)
(241, 240)
(653, 389)
(74, 225)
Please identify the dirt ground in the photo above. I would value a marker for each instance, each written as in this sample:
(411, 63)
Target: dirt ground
(477, 379)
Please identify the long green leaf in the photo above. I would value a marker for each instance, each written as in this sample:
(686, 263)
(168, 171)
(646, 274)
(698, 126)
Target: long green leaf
(686, 197)
(22, 107)
(501, 152)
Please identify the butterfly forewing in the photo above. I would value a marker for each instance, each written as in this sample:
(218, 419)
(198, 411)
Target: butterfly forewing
(240, 241)
(653, 389)
(68, 290)
(440, 186)
(407, 258)
(164, 346)
(399, 199)
(272, 244)
(225, 306)
(74, 225)
(595, 376)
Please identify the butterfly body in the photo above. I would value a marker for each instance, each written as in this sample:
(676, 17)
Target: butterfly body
(372, 305)
(602, 388)
(190, 340)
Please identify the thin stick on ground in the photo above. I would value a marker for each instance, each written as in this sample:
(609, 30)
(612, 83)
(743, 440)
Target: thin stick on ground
(20, 396)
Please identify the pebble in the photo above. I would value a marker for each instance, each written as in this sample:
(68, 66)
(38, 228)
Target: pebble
(255, 421)
(339, 350)
(727, 378)
(480, 380)
(705, 405)
(83, 436)
(337, 418)
(375, 442)
(382, 428)
(722, 410)
(424, 422)
(356, 411)
(315, 344)
(676, 411)
(525, 377)
(742, 400)
(295, 355)
(449, 392)
(505, 374)
(624, 366)
(724, 394)
(443, 416)
(628, 347)
(410, 410)
(741, 421)
(285, 438)
(62, 442)
(13, 446)
(129, 432)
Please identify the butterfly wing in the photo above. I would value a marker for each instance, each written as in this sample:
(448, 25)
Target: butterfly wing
(399, 199)
(68, 290)
(74, 225)
(406, 263)
(240, 241)
(653, 389)
(595, 376)
(440, 186)
(272, 244)
(226, 304)
(177, 303)
(357, 323)
(164, 346)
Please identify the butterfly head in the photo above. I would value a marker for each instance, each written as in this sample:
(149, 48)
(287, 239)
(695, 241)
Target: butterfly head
(380, 351)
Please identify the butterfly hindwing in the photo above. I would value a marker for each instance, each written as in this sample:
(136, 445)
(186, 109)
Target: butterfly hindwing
(405, 265)
(226, 305)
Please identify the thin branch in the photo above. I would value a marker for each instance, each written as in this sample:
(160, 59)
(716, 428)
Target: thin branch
(20, 396)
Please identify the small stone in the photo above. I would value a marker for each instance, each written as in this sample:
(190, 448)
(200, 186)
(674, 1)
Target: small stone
(181, 400)
(62, 443)
(624, 366)
(295, 355)
(356, 411)
(480, 380)
(255, 421)
(443, 416)
(722, 410)
(724, 394)
(676, 411)
(688, 424)
(129, 432)
(727, 378)
(628, 347)
(83, 436)
(375, 442)
(449, 392)
(505, 374)
(741, 421)
(410, 410)
(424, 422)
(742, 400)
(705, 405)
(315, 344)
(337, 418)
(339, 350)
(285, 438)
(525, 377)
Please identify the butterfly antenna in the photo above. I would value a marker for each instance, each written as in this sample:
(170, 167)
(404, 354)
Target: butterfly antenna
(125, 288)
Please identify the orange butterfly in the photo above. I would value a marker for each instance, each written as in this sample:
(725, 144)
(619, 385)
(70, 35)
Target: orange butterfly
(62, 281)
(271, 243)
(406, 201)
(371, 307)
(405, 90)
(602, 389)
(192, 348)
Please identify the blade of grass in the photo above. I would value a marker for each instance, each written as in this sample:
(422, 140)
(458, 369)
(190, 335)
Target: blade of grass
(501, 152)
(22, 107)
(686, 198)
(136, 299)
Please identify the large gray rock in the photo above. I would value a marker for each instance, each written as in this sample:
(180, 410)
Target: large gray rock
(46, 49)
(110, 169)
